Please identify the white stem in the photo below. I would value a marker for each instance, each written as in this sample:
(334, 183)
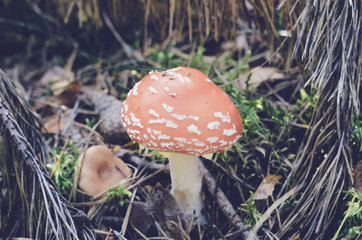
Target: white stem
(186, 182)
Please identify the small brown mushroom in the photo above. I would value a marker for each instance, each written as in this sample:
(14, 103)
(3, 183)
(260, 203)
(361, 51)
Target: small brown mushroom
(100, 170)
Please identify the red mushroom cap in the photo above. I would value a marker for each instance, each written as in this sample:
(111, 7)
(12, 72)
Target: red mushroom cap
(181, 110)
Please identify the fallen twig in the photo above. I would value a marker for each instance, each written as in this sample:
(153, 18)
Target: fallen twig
(224, 203)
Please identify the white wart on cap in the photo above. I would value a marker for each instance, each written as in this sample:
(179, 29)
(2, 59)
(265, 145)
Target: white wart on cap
(181, 110)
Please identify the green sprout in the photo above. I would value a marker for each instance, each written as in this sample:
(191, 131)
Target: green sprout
(308, 98)
(251, 211)
(356, 138)
(352, 221)
(90, 122)
(164, 56)
(63, 168)
(198, 61)
(118, 193)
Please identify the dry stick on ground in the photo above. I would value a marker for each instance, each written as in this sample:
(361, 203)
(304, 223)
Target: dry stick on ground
(126, 218)
(222, 200)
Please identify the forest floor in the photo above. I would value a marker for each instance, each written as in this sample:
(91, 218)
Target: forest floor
(79, 101)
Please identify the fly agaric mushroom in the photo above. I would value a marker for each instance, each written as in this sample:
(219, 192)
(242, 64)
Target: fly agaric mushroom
(183, 114)
(100, 170)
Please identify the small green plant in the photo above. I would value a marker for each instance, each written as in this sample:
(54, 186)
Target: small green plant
(164, 56)
(63, 168)
(308, 98)
(351, 226)
(356, 138)
(308, 101)
(290, 203)
(154, 154)
(238, 67)
(198, 61)
(136, 73)
(90, 122)
(253, 215)
(118, 193)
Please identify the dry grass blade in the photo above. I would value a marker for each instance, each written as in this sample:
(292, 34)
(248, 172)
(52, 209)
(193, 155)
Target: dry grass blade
(145, 28)
(171, 17)
(189, 19)
(30, 193)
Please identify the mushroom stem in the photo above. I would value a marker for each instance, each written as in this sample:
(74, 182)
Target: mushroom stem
(186, 182)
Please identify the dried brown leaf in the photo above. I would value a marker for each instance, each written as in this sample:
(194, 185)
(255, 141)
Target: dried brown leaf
(56, 74)
(258, 76)
(61, 83)
(54, 125)
(266, 187)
